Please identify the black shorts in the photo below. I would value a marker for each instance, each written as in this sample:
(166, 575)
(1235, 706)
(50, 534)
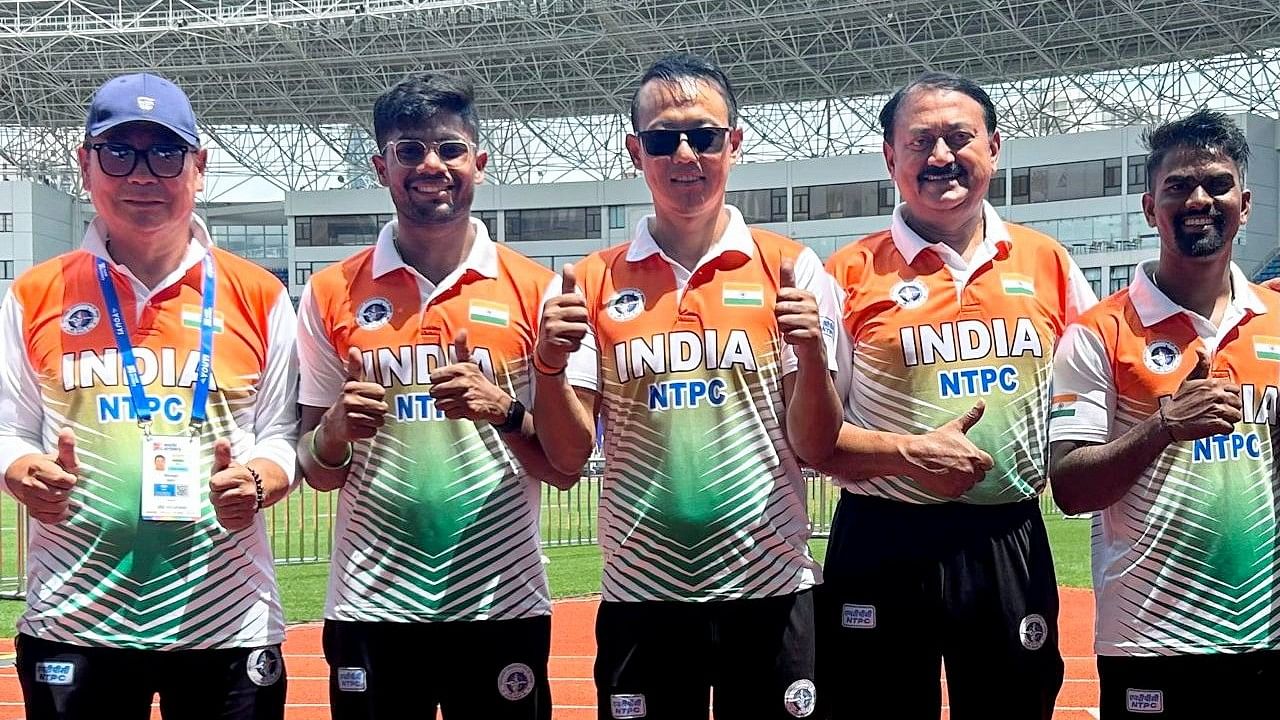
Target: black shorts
(68, 682)
(909, 587)
(661, 660)
(479, 670)
(1190, 687)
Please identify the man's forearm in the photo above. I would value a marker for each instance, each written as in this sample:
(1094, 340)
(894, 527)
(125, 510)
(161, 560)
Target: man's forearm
(275, 481)
(1095, 477)
(565, 429)
(528, 450)
(814, 414)
(861, 454)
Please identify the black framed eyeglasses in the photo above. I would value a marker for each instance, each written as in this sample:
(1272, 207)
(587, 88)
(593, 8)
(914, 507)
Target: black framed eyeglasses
(666, 142)
(119, 159)
(411, 153)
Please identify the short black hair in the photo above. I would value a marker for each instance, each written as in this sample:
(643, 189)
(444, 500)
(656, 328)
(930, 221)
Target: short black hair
(934, 80)
(414, 101)
(673, 68)
(1201, 130)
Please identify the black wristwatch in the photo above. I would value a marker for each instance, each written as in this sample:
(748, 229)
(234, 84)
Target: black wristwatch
(515, 418)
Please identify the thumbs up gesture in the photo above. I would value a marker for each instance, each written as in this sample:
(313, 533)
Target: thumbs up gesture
(946, 462)
(461, 390)
(1202, 406)
(564, 324)
(360, 410)
(44, 482)
(233, 490)
(796, 312)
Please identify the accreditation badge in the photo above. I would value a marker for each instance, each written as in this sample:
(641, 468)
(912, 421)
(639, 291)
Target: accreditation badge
(171, 478)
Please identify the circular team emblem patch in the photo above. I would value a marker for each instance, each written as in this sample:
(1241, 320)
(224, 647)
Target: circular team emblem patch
(515, 682)
(80, 319)
(800, 698)
(374, 313)
(1162, 357)
(909, 293)
(625, 304)
(1033, 631)
(264, 666)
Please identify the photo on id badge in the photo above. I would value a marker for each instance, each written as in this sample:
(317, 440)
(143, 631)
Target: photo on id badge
(170, 478)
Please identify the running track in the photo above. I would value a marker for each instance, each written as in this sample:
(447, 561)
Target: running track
(572, 651)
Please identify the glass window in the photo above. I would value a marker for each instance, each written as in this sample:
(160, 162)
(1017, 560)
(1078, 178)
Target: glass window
(800, 203)
(6, 269)
(1111, 178)
(302, 271)
(887, 199)
(331, 230)
(1137, 173)
(1071, 181)
(1094, 276)
(302, 231)
(1021, 186)
(778, 205)
(861, 199)
(553, 224)
(490, 220)
(617, 217)
(1121, 275)
(6, 222)
(995, 192)
(756, 205)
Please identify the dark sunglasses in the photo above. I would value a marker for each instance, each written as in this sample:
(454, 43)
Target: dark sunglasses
(412, 153)
(119, 159)
(666, 142)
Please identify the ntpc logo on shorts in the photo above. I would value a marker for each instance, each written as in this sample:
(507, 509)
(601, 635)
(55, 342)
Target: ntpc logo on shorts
(624, 707)
(352, 679)
(1144, 701)
(862, 617)
(55, 673)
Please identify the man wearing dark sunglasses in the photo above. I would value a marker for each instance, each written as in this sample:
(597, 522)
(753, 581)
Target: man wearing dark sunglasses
(938, 551)
(713, 379)
(149, 414)
(416, 380)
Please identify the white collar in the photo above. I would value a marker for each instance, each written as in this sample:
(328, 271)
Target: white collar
(482, 258)
(95, 243)
(735, 238)
(1153, 306)
(910, 244)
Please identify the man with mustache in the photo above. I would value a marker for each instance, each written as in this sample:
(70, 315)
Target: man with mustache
(1164, 425)
(415, 383)
(938, 551)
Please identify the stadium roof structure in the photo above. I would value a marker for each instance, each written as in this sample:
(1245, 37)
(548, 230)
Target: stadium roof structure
(285, 87)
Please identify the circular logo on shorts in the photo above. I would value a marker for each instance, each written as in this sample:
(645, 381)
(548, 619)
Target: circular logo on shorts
(515, 682)
(264, 666)
(1162, 357)
(909, 293)
(625, 304)
(80, 319)
(800, 698)
(374, 313)
(1033, 631)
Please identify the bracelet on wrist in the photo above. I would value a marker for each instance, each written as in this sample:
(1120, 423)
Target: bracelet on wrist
(543, 368)
(315, 455)
(259, 492)
(1164, 422)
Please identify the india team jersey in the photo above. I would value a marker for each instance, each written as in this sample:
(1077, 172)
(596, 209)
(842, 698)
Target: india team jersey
(931, 335)
(437, 521)
(702, 497)
(1186, 562)
(105, 577)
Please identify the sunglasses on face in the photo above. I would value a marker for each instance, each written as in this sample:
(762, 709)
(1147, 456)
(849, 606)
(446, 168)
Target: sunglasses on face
(412, 153)
(121, 159)
(666, 142)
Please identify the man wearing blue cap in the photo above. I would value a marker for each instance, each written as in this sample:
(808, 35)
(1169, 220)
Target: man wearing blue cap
(148, 577)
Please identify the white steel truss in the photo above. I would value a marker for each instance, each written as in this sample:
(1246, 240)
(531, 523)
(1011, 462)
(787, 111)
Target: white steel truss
(284, 88)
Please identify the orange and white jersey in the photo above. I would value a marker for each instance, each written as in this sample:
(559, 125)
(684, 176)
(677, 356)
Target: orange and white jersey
(702, 497)
(437, 521)
(1186, 561)
(106, 577)
(930, 334)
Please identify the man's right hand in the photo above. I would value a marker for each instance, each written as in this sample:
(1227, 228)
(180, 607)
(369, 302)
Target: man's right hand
(946, 463)
(43, 483)
(356, 416)
(563, 326)
(1202, 406)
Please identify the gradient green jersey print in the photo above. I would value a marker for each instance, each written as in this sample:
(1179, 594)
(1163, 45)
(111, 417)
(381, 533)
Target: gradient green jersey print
(105, 577)
(1186, 561)
(438, 521)
(930, 338)
(702, 498)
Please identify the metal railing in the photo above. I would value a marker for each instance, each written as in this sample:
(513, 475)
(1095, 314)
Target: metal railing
(301, 527)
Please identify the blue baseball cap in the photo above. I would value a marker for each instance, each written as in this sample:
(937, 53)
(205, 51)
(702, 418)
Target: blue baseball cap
(142, 97)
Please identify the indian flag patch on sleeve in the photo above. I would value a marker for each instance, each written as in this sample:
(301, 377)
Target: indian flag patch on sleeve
(191, 318)
(1266, 347)
(490, 313)
(743, 295)
(1063, 405)
(1017, 284)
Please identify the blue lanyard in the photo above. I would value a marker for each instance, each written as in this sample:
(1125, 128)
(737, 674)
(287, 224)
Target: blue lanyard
(204, 370)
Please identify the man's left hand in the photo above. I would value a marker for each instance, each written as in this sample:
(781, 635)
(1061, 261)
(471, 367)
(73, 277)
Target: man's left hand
(461, 391)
